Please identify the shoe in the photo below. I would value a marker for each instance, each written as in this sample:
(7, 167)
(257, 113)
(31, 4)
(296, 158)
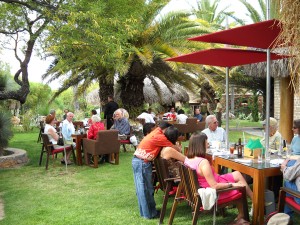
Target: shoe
(157, 215)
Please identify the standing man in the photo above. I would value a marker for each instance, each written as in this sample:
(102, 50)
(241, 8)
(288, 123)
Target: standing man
(65, 115)
(110, 108)
(218, 111)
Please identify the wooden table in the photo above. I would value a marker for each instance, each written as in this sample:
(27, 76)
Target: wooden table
(258, 171)
(78, 141)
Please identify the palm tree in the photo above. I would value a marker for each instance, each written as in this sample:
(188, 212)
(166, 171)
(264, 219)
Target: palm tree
(158, 39)
(260, 14)
(137, 55)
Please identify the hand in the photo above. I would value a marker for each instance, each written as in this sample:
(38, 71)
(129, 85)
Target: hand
(284, 163)
(237, 184)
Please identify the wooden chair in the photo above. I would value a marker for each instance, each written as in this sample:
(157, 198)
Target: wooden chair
(42, 128)
(288, 200)
(166, 183)
(200, 126)
(51, 149)
(189, 186)
(106, 143)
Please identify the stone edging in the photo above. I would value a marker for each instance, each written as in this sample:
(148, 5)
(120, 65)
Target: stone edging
(18, 158)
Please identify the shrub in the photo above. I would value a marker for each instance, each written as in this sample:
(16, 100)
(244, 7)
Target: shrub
(5, 130)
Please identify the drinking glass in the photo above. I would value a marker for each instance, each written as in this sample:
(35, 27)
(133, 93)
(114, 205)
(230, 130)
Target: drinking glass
(259, 156)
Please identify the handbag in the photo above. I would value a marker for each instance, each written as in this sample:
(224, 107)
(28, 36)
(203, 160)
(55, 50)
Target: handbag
(60, 141)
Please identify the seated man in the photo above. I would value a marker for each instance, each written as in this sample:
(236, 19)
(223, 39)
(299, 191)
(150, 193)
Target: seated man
(181, 117)
(148, 117)
(213, 132)
(198, 115)
(121, 123)
(68, 129)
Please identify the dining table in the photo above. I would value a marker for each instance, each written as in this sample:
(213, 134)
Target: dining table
(259, 171)
(78, 140)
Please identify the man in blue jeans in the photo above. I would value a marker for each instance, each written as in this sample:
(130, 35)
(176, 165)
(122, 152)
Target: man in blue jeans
(145, 153)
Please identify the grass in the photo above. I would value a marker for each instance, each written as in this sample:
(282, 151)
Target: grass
(80, 195)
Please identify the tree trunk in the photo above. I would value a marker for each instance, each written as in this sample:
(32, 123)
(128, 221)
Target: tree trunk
(132, 85)
(106, 87)
(286, 109)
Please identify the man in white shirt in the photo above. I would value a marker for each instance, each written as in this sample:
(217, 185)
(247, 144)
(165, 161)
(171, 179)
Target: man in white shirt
(68, 128)
(181, 117)
(148, 117)
(213, 132)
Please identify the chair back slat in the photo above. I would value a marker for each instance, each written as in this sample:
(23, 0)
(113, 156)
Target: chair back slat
(162, 171)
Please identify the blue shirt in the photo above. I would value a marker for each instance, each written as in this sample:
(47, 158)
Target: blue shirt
(122, 125)
(199, 117)
(295, 145)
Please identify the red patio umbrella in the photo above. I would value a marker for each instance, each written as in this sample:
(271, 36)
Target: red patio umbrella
(225, 57)
(257, 35)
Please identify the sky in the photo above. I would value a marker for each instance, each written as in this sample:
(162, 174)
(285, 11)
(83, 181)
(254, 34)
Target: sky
(37, 67)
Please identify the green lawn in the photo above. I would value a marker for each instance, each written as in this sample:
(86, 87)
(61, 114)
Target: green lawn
(80, 195)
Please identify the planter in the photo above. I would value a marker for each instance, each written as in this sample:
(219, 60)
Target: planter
(13, 157)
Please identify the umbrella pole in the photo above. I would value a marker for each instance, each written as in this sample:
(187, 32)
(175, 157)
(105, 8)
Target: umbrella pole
(268, 89)
(227, 108)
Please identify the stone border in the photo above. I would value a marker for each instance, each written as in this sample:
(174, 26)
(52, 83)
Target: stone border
(17, 158)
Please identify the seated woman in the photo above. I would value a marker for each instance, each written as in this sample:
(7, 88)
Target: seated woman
(291, 175)
(95, 127)
(53, 136)
(295, 144)
(274, 135)
(206, 174)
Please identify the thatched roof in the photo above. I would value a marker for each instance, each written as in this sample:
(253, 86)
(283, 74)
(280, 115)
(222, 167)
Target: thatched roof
(166, 97)
(278, 68)
(290, 36)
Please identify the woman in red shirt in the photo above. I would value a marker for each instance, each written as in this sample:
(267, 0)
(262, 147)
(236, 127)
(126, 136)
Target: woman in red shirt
(95, 127)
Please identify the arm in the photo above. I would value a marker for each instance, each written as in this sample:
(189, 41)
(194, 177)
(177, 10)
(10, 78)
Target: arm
(53, 134)
(291, 173)
(90, 134)
(170, 153)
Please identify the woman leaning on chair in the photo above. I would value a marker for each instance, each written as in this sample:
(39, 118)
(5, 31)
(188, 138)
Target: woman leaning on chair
(53, 136)
(206, 175)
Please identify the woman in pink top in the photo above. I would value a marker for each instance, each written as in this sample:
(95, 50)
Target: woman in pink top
(207, 177)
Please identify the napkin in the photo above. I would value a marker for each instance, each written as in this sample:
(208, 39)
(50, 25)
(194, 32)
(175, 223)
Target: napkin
(255, 144)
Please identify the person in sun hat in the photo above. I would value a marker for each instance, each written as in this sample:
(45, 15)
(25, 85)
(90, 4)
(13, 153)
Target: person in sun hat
(274, 135)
